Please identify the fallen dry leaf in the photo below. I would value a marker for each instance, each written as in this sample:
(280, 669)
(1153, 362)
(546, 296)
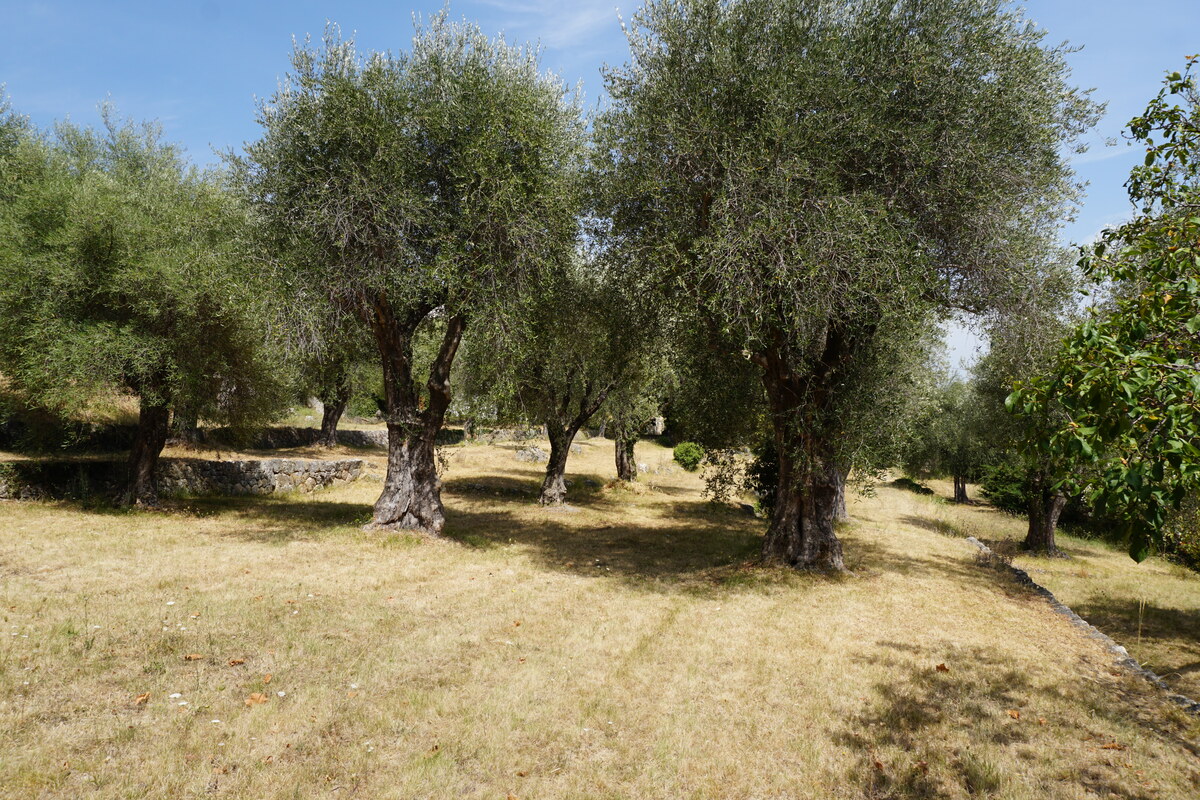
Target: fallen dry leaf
(522, 774)
(942, 668)
(267, 678)
(351, 693)
(193, 657)
(141, 699)
(233, 662)
(256, 699)
(1012, 712)
(1113, 746)
(1041, 720)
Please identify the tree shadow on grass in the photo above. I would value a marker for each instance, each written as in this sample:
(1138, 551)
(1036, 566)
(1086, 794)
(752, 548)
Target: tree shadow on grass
(908, 740)
(1170, 637)
(693, 548)
(265, 518)
(868, 557)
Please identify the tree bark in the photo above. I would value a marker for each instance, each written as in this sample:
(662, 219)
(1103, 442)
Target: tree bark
(554, 486)
(1045, 507)
(839, 508)
(960, 489)
(411, 496)
(801, 533)
(625, 441)
(141, 487)
(334, 401)
(560, 429)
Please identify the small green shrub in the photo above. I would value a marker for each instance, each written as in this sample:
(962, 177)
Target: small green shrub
(1006, 487)
(762, 476)
(689, 455)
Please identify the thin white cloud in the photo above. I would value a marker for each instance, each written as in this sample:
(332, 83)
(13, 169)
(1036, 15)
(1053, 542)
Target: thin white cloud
(555, 24)
(1103, 153)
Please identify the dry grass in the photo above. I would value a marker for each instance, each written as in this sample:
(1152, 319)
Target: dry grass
(622, 648)
(1152, 608)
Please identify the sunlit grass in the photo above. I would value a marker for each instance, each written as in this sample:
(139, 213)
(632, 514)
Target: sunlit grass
(625, 647)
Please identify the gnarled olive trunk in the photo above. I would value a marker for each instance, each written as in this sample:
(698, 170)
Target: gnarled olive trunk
(1045, 507)
(960, 489)
(334, 402)
(839, 509)
(801, 533)
(560, 428)
(811, 483)
(554, 486)
(141, 488)
(411, 496)
(625, 439)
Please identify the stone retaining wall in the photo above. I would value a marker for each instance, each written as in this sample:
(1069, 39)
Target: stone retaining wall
(195, 476)
(28, 480)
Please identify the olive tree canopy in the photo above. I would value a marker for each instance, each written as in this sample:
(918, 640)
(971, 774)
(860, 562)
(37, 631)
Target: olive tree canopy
(122, 268)
(417, 187)
(813, 173)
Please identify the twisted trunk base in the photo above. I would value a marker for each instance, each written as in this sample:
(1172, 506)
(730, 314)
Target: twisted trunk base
(142, 485)
(554, 486)
(411, 497)
(802, 523)
(329, 422)
(960, 490)
(1045, 507)
(626, 463)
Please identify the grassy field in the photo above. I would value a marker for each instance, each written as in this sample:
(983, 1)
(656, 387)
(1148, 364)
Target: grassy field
(624, 647)
(1153, 608)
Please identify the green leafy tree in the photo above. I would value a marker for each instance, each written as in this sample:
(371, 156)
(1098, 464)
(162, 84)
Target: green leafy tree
(816, 176)
(421, 190)
(634, 405)
(122, 268)
(558, 355)
(1122, 397)
(331, 358)
(1019, 474)
(948, 437)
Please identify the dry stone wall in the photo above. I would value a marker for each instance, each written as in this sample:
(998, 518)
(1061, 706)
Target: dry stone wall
(194, 476)
(27, 480)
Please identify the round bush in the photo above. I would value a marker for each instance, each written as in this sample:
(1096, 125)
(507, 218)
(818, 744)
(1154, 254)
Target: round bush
(689, 455)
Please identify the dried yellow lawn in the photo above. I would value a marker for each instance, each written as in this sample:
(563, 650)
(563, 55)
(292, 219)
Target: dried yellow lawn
(622, 648)
(1153, 608)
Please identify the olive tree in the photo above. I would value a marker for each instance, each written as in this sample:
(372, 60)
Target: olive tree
(815, 174)
(556, 356)
(422, 189)
(124, 269)
(948, 436)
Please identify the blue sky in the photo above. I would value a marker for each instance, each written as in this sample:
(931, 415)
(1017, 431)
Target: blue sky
(196, 66)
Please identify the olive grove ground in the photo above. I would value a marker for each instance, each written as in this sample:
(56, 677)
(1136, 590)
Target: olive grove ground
(624, 647)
